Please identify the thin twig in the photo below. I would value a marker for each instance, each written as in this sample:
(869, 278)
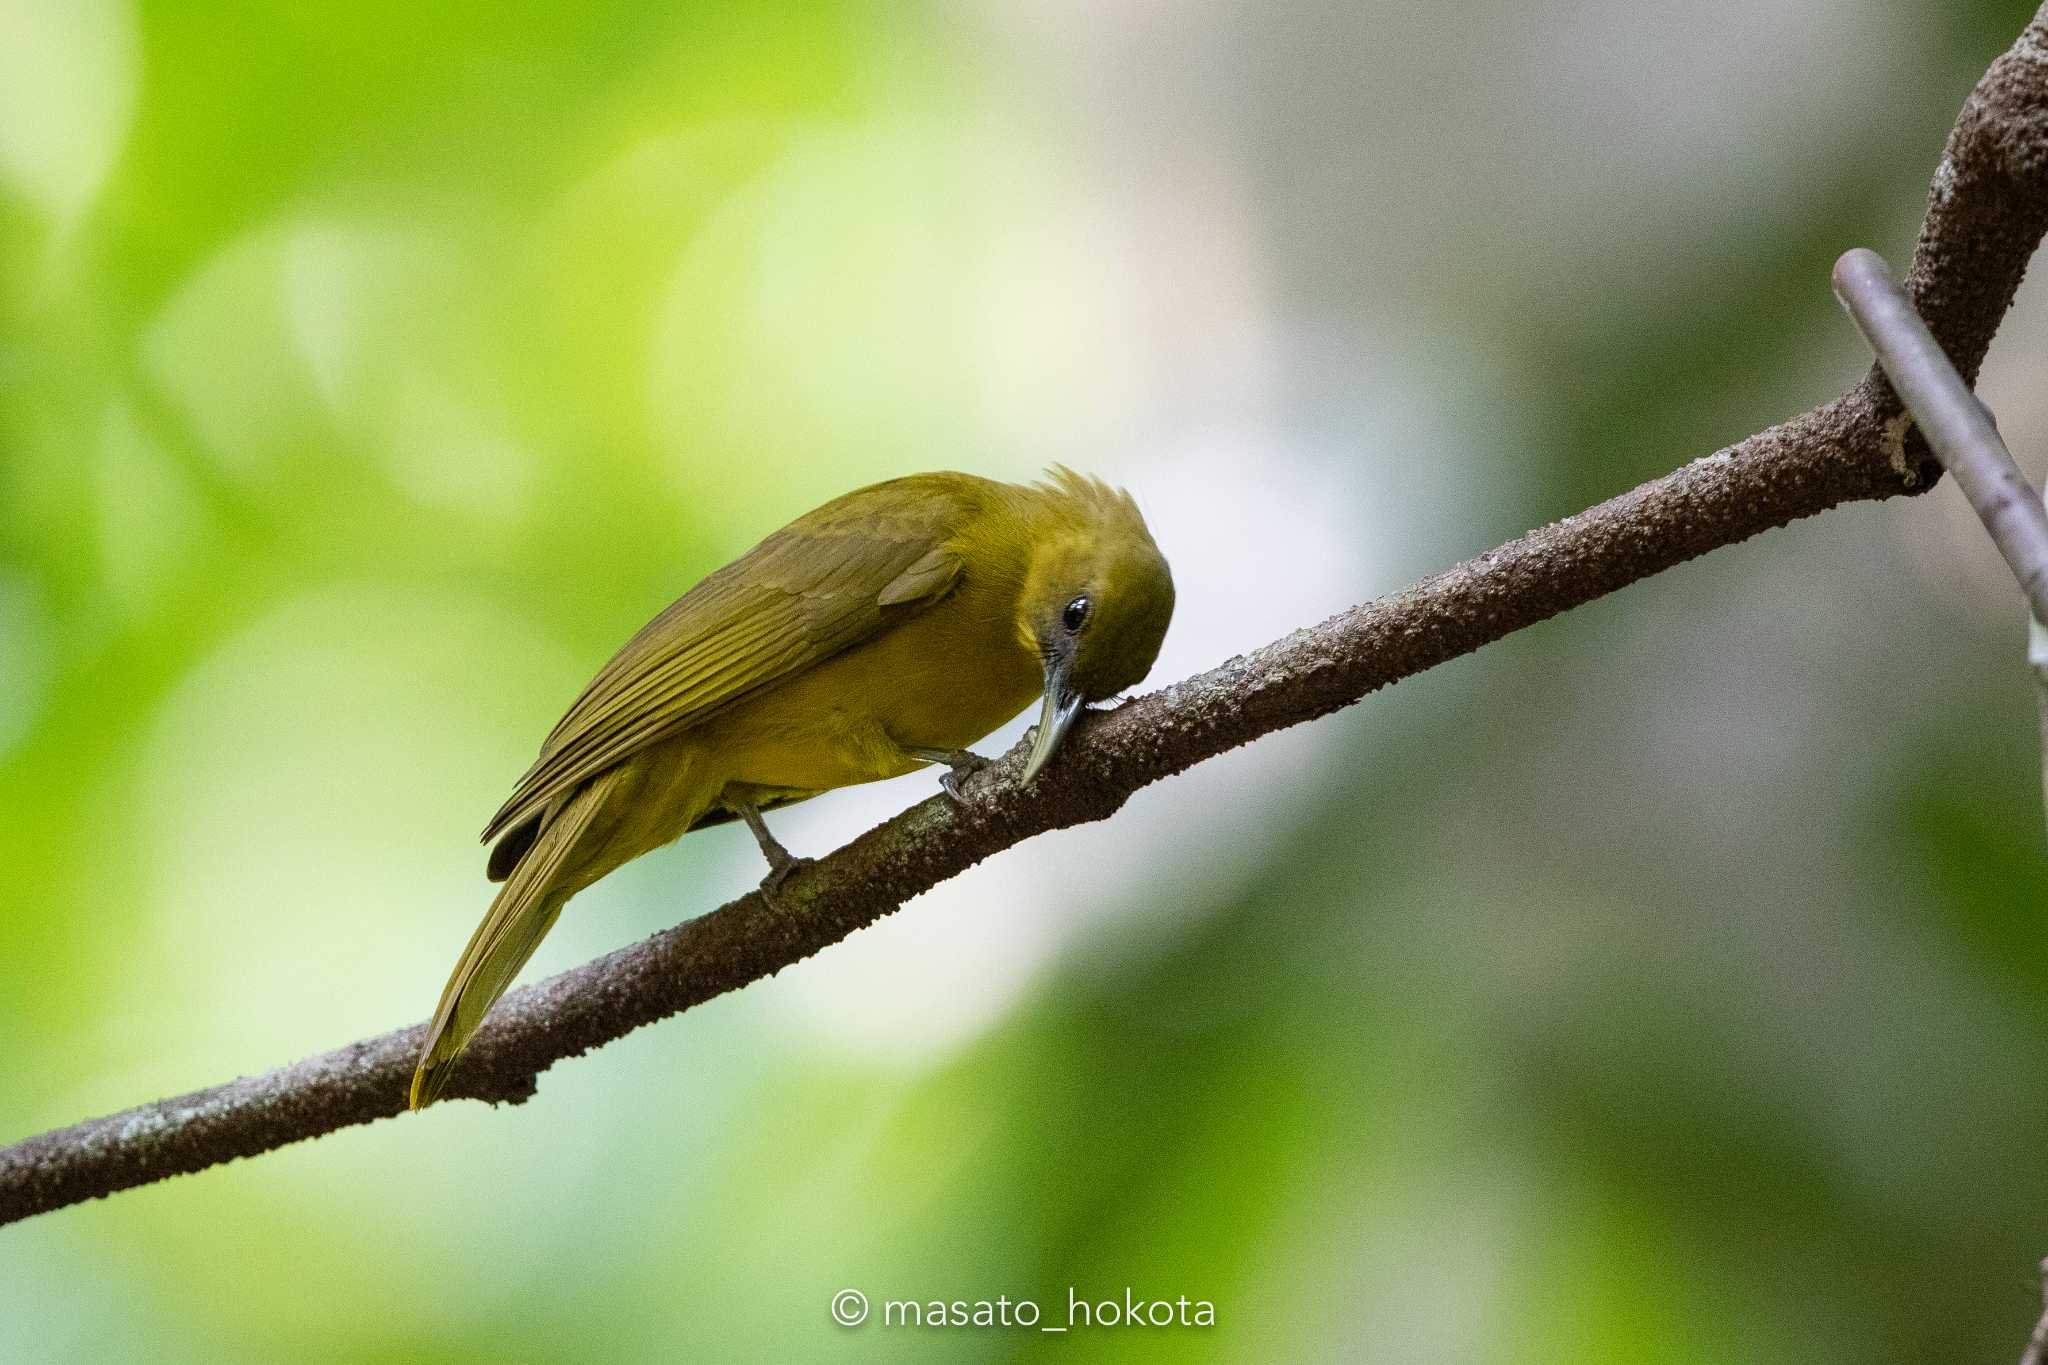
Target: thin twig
(2037, 660)
(1964, 437)
(1987, 212)
(1958, 428)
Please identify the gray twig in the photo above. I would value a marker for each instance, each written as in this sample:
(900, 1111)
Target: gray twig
(1987, 212)
(1964, 437)
(2037, 659)
(1958, 428)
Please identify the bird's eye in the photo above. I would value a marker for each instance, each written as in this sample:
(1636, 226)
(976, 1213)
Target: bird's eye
(1075, 614)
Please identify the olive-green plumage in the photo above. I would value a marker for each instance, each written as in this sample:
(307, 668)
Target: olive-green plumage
(890, 628)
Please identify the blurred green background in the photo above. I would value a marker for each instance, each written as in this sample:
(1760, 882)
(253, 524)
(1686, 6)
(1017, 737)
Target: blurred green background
(1666, 983)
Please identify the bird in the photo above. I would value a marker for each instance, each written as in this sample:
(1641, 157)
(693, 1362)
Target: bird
(885, 631)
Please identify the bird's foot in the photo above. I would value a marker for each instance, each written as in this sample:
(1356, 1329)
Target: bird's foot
(962, 764)
(778, 873)
(781, 862)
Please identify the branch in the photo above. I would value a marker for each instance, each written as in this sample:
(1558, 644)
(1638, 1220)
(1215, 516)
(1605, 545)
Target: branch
(1987, 211)
(1956, 425)
(1964, 437)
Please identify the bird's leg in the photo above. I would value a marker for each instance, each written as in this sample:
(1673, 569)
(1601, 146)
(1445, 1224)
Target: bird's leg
(964, 764)
(781, 862)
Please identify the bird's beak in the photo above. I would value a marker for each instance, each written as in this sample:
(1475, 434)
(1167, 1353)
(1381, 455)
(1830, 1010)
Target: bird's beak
(1062, 704)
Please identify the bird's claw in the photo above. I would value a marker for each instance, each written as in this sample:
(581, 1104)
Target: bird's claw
(959, 768)
(778, 873)
(962, 764)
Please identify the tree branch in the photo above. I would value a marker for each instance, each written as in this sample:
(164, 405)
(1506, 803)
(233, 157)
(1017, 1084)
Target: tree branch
(1986, 214)
(1964, 437)
(1956, 425)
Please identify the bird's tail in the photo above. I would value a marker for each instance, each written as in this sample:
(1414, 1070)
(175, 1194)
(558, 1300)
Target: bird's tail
(526, 907)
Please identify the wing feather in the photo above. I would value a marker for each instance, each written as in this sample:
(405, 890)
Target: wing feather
(823, 584)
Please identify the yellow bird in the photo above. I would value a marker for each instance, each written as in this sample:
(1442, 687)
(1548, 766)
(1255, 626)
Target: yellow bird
(890, 628)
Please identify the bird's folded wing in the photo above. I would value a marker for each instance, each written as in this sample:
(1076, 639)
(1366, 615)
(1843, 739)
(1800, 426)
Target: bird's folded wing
(823, 584)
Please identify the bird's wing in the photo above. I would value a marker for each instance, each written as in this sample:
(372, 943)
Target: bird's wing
(826, 582)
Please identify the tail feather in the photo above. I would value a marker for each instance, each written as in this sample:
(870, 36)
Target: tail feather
(525, 909)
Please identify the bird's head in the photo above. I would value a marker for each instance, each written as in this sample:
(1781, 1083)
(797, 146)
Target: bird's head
(1095, 605)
